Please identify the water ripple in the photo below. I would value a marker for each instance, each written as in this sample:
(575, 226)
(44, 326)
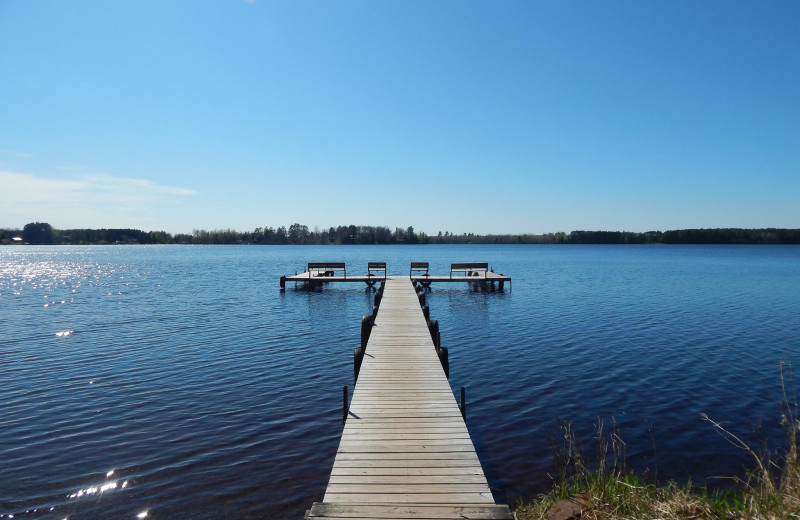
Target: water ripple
(186, 372)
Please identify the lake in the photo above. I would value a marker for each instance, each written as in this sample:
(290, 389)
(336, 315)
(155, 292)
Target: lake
(179, 381)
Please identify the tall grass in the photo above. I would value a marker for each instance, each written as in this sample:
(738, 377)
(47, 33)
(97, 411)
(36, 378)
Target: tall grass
(772, 487)
(608, 491)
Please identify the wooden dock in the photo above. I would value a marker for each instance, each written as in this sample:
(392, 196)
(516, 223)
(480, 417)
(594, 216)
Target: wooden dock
(405, 451)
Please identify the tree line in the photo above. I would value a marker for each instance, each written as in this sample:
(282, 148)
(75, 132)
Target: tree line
(296, 234)
(299, 234)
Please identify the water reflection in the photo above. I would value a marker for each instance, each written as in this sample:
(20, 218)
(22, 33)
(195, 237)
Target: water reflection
(92, 490)
(69, 502)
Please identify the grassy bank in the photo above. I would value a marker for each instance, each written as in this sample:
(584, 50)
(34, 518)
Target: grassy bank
(605, 490)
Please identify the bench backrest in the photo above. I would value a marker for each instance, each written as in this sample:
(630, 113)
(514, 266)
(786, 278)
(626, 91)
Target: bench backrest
(418, 266)
(476, 266)
(376, 266)
(325, 265)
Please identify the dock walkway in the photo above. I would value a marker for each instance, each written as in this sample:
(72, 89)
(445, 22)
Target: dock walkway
(405, 451)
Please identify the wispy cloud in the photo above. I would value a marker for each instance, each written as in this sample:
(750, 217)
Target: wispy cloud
(31, 188)
(23, 155)
(20, 188)
(85, 200)
(108, 183)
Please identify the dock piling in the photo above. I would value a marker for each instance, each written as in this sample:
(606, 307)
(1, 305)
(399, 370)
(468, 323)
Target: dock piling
(433, 327)
(358, 358)
(366, 329)
(344, 404)
(444, 359)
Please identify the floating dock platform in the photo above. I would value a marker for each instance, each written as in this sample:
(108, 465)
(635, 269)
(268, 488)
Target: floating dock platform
(405, 451)
(328, 272)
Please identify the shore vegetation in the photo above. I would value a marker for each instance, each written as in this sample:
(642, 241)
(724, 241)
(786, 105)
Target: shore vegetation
(607, 490)
(299, 234)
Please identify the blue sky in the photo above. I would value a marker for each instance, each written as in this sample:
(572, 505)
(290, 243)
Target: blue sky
(462, 116)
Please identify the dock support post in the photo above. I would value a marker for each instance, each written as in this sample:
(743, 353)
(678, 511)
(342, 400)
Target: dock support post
(433, 327)
(366, 329)
(358, 358)
(426, 311)
(344, 404)
(444, 359)
(463, 403)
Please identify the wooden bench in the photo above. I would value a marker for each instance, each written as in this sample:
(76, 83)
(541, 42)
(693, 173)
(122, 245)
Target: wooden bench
(377, 267)
(326, 269)
(418, 267)
(470, 268)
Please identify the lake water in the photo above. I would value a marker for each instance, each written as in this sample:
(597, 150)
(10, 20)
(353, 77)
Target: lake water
(179, 380)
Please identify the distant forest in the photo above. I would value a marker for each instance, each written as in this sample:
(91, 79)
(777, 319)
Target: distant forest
(298, 234)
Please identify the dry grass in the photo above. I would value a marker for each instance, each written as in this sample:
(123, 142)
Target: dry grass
(771, 490)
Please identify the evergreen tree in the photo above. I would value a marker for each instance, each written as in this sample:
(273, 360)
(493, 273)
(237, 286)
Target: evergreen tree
(38, 233)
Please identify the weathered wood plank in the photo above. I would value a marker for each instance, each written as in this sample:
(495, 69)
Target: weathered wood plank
(406, 446)
(394, 435)
(370, 479)
(378, 472)
(469, 497)
(409, 488)
(380, 413)
(402, 512)
(393, 422)
(444, 464)
(420, 455)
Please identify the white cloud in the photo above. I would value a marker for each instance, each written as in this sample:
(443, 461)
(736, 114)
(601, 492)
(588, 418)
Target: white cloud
(146, 187)
(30, 188)
(20, 188)
(3, 151)
(85, 200)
